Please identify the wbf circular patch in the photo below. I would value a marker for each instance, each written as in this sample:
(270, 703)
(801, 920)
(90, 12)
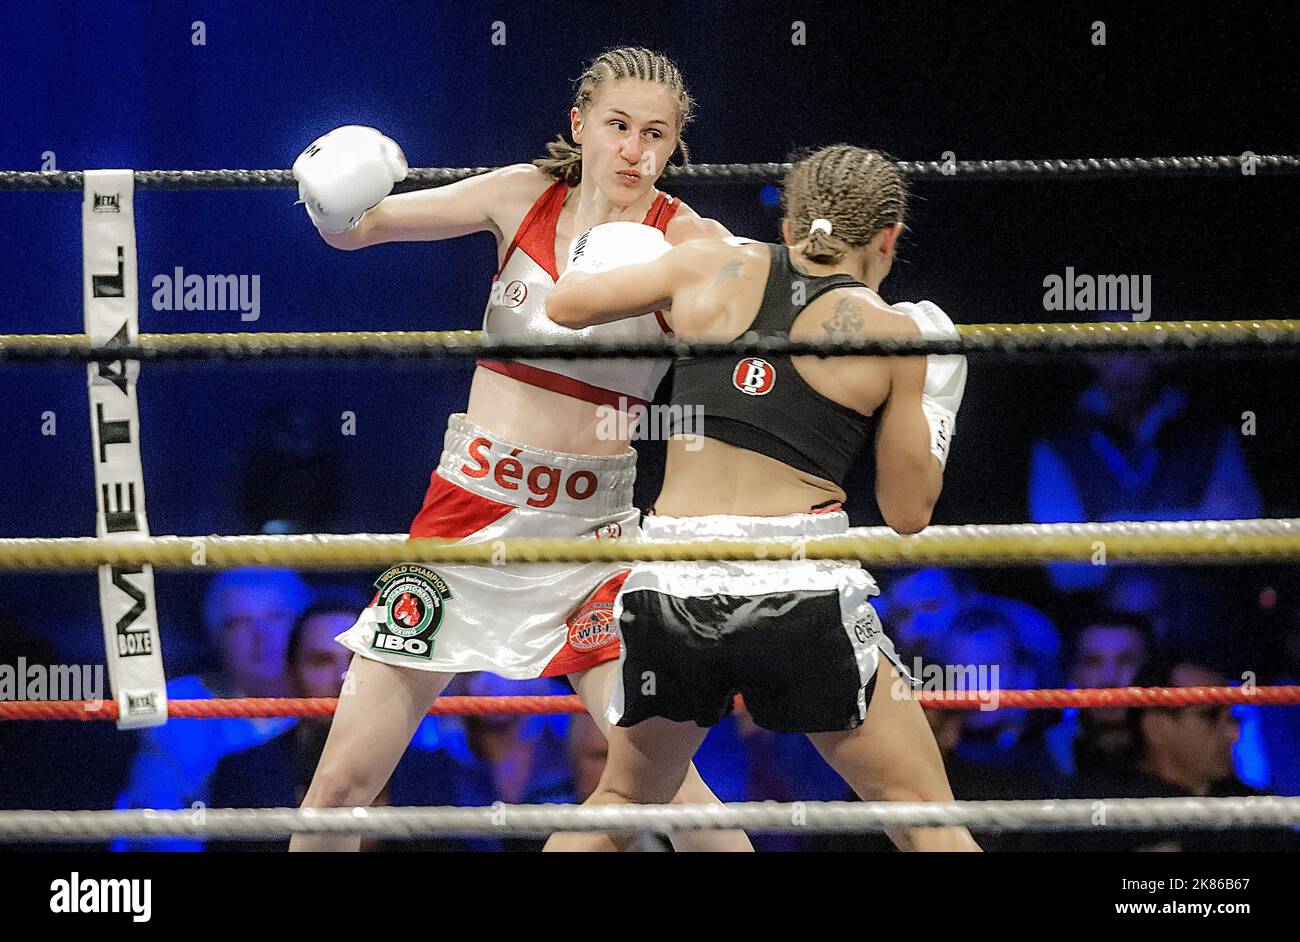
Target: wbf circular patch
(592, 626)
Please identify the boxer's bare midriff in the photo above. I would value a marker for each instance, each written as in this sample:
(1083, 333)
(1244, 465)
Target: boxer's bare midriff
(540, 418)
(705, 476)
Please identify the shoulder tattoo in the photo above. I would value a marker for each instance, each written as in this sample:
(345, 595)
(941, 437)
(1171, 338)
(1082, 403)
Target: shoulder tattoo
(845, 319)
(728, 271)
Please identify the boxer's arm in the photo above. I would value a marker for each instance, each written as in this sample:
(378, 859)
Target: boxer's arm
(908, 476)
(584, 299)
(685, 228)
(443, 212)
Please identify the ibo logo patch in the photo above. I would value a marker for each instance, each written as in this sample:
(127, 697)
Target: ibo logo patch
(409, 610)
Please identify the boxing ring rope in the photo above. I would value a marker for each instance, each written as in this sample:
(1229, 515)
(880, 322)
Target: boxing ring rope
(308, 707)
(1162, 336)
(1183, 541)
(1079, 814)
(422, 177)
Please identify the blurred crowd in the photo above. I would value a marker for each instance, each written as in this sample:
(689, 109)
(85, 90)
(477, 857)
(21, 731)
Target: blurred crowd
(1131, 451)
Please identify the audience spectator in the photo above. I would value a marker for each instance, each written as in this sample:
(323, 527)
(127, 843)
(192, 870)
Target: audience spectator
(55, 766)
(511, 758)
(479, 760)
(917, 607)
(249, 614)
(1131, 452)
(1178, 752)
(276, 773)
(1109, 650)
(980, 652)
(1280, 726)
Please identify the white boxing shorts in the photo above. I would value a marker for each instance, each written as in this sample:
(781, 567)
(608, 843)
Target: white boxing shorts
(798, 639)
(519, 621)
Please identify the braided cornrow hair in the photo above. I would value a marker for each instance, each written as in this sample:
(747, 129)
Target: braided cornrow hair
(564, 160)
(837, 199)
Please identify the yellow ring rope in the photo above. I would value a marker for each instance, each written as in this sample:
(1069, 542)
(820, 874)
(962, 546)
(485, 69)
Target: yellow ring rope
(1096, 543)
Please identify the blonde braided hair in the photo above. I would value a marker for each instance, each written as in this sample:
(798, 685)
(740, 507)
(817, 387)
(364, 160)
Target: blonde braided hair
(837, 198)
(564, 159)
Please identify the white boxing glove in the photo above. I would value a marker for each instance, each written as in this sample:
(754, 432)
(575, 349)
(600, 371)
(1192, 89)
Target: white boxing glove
(945, 376)
(612, 244)
(346, 172)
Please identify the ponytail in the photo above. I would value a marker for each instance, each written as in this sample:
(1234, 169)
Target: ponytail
(564, 161)
(820, 246)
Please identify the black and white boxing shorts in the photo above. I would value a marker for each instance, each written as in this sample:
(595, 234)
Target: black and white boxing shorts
(799, 640)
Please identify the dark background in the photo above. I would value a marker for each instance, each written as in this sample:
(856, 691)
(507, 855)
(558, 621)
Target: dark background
(121, 85)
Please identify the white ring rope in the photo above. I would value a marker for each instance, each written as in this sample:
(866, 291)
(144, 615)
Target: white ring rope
(1080, 814)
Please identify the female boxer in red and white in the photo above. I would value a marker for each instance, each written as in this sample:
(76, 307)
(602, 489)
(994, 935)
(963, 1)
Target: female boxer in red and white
(530, 456)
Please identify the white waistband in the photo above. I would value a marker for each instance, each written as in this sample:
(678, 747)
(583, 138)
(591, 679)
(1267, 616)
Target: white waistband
(748, 577)
(723, 526)
(486, 464)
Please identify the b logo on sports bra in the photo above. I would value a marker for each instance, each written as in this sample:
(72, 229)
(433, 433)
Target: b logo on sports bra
(754, 377)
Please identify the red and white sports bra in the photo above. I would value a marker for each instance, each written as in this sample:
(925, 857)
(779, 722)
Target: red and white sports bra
(516, 311)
